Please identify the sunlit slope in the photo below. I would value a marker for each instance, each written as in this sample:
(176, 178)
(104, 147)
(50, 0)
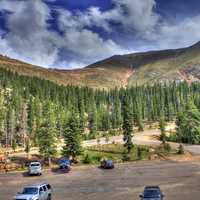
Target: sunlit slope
(121, 70)
(158, 66)
(96, 77)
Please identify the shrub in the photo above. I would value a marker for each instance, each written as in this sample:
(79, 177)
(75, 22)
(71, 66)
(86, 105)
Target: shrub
(172, 138)
(126, 157)
(142, 152)
(167, 148)
(96, 158)
(87, 159)
(163, 137)
(180, 149)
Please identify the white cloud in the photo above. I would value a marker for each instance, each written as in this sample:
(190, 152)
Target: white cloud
(139, 15)
(132, 14)
(180, 34)
(30, 39)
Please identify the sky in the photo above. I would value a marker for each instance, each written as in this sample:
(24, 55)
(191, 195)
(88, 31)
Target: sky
(71, 34)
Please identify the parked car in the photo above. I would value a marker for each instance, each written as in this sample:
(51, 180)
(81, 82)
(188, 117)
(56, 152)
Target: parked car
(152, 192)
(39, 191)
(64, 164)
(107, 164)
(35, 168)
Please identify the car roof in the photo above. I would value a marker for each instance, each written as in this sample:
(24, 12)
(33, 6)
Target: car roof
(35, 162)
(37, 184)
(152, 187)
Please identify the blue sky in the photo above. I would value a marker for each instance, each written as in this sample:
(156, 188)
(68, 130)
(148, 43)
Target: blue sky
(74, 33)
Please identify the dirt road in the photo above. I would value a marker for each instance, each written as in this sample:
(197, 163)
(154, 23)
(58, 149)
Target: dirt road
(148, 137)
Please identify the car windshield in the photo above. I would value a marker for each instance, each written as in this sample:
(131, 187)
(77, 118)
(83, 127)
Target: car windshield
(64, 161)
(151, 193)
(35, 165)
(109, 162)
(30, 190)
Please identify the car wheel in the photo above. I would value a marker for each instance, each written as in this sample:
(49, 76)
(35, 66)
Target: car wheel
(49, 197)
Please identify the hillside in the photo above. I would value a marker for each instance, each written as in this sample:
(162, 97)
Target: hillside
(121, 70)
(92, 77)
(154, 66)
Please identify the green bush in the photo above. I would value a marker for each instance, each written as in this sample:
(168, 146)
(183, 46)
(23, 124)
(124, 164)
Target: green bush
(163, 137)
(180, 149)
(167, 148)
(87, 159)
(96, 158)
(142, 152)
(172, 138)
(126, 157)
(91, 136)
(112, 132)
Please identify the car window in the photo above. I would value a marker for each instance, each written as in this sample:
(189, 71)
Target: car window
(35, 165)
(30, 190)
(48, 186)
(44, 188)
(41, 190)
(151, 193)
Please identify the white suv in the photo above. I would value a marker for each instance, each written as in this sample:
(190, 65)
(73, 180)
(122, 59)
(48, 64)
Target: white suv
(35, 168)
(41, 191)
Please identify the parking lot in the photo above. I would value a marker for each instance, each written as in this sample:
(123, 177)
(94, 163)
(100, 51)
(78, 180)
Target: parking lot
(178, 180)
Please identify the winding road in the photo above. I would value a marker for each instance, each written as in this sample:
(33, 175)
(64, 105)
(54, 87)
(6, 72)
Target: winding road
(147, 137)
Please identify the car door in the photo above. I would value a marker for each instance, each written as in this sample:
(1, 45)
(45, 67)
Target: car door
(42, 194)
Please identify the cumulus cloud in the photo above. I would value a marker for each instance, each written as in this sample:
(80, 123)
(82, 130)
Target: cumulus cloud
(30, 38)
(179, 34)
(139, 15)
(132, 14)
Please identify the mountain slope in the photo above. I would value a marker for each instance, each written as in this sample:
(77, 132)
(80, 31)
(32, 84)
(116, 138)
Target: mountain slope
(121, 70)
(154, 66)
(92, 77)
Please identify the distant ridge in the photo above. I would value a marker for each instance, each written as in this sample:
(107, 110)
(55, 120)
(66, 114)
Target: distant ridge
(121, 70)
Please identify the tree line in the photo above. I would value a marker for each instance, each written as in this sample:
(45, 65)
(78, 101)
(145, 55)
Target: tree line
(36, 112)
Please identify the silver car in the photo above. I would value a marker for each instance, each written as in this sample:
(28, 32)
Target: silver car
(40, 191)
(35, 168)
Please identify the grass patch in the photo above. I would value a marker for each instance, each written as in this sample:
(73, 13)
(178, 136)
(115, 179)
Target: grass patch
(172, 137)
(116, 152)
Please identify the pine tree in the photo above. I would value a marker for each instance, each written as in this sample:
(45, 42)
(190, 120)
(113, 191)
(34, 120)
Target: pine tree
(47, 133)
(72, 137)
(139, 121)
(10, 125)
(27, 147)
(3, 111)
(82, 114)
(162, 125)
(92, 119)
(116, 113)
(23, 122)
(188, 124)
(127, 124)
